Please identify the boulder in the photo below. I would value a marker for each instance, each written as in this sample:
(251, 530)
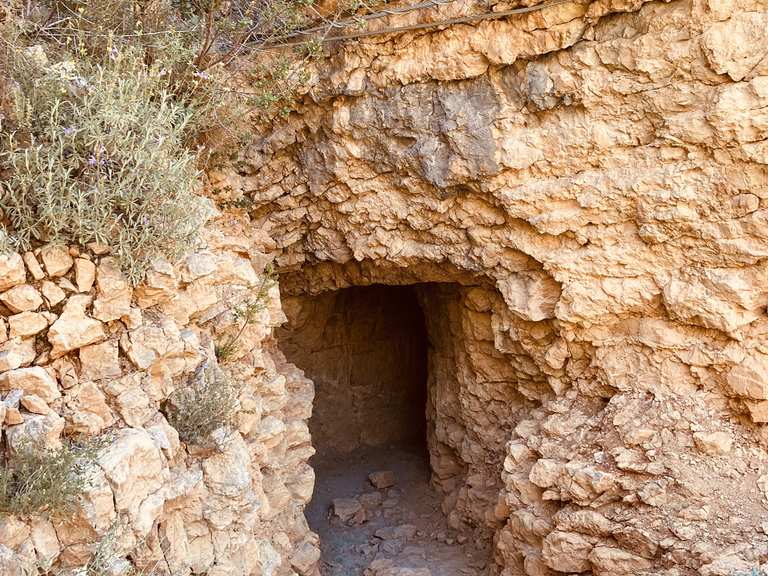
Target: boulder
(74, 329)
(34, 380)
(22, 298)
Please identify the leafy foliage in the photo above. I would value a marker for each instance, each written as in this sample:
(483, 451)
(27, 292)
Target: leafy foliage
(36, 481)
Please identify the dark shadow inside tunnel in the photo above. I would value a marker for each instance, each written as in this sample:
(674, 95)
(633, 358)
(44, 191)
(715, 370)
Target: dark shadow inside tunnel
(365, 348)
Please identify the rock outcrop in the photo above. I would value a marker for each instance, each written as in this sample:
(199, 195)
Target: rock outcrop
(592, 180)
(583, 192)
(95, 358)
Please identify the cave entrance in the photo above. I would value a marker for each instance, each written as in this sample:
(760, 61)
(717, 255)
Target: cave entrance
(368, 350)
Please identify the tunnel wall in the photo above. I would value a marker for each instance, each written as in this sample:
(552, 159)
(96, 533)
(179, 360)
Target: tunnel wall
(604, 164)
(365, 350)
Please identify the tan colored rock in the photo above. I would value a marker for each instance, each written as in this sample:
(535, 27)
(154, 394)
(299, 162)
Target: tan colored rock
(87, 411)
(13, 531)
(3, 331)
(714, 443)
(382, 479)
(33, 266)
(13, 417)
(731, 47)
(35, 404)
(16, 352)
(93, 516)
(65, 370)
(85, 274)
(758, 411)
(158, 286)
(386, 567)
(74, 329)
(26, 324)
(22, 298)
(12, 271)
(113, 298)
(136, 471)
(99, 361)
(45, 540)
(609, 561)
(348, 510)
(749, 378)
(567, 551)
(35, 380)
(546, 472)
(39, 432)
(12, 564)
(56, 260)
(52, 293)
(198, 265)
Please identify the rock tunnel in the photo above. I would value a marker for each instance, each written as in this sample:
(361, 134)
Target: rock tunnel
(408, 380)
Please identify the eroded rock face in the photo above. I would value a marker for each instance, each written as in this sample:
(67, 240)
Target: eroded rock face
(594, 176)
(92, 361)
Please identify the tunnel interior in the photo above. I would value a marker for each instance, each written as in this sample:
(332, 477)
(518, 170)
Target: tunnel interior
(365, 348)
(380, 358)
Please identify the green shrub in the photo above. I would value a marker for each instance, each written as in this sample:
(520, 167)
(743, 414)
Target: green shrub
(46, 481)
(207, 402)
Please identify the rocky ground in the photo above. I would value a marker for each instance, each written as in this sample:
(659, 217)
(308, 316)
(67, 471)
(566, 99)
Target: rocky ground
(377, 515)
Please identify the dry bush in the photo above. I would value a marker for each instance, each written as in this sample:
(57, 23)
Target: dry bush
(98, 155)
(207, 402)
(108, 108)
(37, 481)
(246, 313)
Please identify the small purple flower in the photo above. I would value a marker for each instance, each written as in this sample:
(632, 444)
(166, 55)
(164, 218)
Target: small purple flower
(68, 131)
(91, 160)
(113, 53)
(202, 75)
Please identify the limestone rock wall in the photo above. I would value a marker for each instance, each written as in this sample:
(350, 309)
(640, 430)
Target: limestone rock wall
(602, 166)
(84, 354)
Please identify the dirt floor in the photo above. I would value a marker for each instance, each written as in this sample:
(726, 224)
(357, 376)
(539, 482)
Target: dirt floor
(399, 530)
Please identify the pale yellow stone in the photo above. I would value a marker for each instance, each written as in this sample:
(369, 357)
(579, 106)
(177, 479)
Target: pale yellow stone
(74, 329)
(85, 274)
(33, 266)
(113, 298)
(56, 260)
(99, 361)
(714, 443)
(52, 293)
(34, 380)
(27, 324)
(12, 271)
(16, 352)
(34, 404)
(22, 298)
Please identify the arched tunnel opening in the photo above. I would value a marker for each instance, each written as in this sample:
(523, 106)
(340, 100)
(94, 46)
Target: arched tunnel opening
(380, 359)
